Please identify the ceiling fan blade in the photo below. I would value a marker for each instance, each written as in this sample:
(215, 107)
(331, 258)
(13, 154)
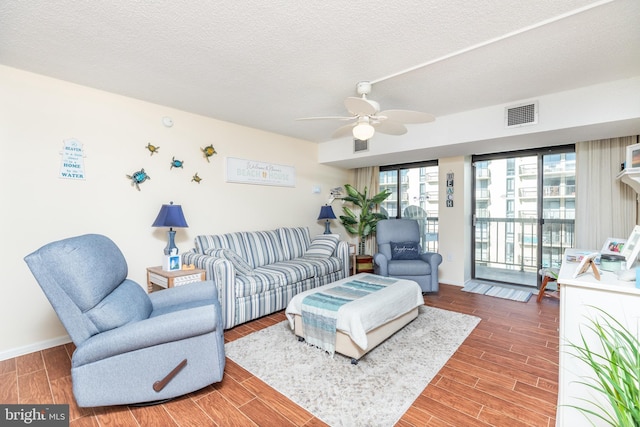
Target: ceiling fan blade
(328, 118)
(361, 106)
(390, 127)
(407, 116)
(342, 131)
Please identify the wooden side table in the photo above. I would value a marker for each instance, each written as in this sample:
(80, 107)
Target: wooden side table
(157, 278)
(364, 264)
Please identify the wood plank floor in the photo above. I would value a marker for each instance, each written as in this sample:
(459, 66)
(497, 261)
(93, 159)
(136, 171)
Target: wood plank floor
(504, 374)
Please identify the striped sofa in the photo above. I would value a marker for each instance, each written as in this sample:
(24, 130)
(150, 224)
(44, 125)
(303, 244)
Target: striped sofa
(258, 272)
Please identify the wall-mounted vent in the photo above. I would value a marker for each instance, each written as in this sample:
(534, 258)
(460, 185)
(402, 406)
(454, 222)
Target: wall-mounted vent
(360, 145)
(521, 115)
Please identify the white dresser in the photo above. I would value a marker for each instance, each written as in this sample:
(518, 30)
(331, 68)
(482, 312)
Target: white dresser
(618, 298)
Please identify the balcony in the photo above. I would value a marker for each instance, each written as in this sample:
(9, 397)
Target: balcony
(506, 248)
(528, 192)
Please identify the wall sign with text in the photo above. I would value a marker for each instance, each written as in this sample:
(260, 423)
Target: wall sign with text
(72, 165)
(450, 189)
(261, 173)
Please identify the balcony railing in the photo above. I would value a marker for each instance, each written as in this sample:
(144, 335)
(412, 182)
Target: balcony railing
(428, 232)
(512, 243)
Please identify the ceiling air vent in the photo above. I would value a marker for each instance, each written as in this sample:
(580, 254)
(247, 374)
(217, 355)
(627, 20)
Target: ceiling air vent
(360, 145)
(521, 115)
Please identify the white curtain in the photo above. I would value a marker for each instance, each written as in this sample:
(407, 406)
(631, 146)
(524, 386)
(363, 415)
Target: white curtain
(368, 177)
(605, 207)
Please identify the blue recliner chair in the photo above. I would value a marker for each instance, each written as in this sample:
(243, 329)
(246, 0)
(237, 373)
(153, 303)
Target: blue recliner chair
(399, 254)
(130, 347)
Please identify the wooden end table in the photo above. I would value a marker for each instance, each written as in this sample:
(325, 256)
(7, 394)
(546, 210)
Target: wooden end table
(157, 278)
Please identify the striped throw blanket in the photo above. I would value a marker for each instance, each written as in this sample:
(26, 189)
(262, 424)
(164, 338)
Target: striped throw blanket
(320, 310)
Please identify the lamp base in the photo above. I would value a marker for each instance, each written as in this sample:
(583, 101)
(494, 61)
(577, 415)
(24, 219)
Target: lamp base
(171, 248)
(327, 230)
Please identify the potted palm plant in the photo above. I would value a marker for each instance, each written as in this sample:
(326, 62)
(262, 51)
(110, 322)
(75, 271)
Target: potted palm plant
(362, 223)
(614, 358)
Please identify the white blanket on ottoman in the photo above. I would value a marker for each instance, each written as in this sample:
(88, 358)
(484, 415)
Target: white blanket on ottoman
(358, 317)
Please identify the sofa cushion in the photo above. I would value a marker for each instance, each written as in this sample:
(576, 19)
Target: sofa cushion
(295, 241)
(241, 265)
(405, 250)
(322, 266)
(259, 282)
(294, 270)
(264, 247)
(412, 267)
(322, 246)
(127, 303)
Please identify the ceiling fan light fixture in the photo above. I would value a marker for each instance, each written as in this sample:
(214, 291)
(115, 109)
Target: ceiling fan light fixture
(363, 130)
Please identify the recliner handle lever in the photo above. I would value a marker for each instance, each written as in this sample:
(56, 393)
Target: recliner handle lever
(159, 385)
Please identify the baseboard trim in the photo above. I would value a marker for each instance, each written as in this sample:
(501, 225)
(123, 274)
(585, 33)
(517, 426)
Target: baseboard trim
(32, 348)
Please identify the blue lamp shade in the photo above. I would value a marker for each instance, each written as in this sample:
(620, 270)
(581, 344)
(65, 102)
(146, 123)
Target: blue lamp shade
(326, 213)
(170, 216)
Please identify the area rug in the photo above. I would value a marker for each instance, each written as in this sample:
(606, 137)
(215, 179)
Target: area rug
(376, 391)
(497, 291)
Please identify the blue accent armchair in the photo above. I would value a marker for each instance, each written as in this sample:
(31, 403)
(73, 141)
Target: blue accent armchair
(394, 234)
(130, 347)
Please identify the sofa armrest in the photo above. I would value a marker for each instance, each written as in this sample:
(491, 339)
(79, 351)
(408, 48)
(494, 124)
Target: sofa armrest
(223, 275)
(342, 252)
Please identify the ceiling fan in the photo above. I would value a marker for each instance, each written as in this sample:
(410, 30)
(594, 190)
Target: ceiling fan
(366, 117)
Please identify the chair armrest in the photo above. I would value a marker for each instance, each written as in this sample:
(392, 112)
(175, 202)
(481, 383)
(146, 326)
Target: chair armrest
(433, 258)
(183, 294)
(381, 262)
(150, 332)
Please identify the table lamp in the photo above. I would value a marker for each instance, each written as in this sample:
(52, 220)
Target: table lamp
(326, 213)
(170, 216)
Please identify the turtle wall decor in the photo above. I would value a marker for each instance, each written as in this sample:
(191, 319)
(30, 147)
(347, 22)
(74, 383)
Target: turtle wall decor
(176, 163)
(138, 177)
(208, 151)
(152, 149)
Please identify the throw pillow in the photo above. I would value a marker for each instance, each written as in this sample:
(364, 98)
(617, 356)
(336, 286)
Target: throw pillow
(241, 266)
(405, 250)
(322, 246)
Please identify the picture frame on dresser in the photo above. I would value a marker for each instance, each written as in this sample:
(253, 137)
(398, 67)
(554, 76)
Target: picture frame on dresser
(631, 247)
(613, 246)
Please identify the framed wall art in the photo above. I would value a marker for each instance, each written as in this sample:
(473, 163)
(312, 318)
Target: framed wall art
(633, 156)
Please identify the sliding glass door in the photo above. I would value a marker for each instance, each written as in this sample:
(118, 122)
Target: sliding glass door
(524, 210)
(414, 194)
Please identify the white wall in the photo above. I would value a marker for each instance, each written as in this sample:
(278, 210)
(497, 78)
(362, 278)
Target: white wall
(38, 113)
(454, 230)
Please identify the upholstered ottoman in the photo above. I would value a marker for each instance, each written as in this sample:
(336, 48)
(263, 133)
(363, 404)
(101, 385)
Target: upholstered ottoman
(385, 305)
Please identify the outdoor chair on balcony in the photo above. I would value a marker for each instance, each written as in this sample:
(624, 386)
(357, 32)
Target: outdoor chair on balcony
(548, 275)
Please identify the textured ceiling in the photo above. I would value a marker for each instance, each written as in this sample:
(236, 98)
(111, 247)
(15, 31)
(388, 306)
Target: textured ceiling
(264, 64)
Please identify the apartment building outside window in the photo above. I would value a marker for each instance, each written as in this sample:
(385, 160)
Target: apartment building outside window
(414, 194)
